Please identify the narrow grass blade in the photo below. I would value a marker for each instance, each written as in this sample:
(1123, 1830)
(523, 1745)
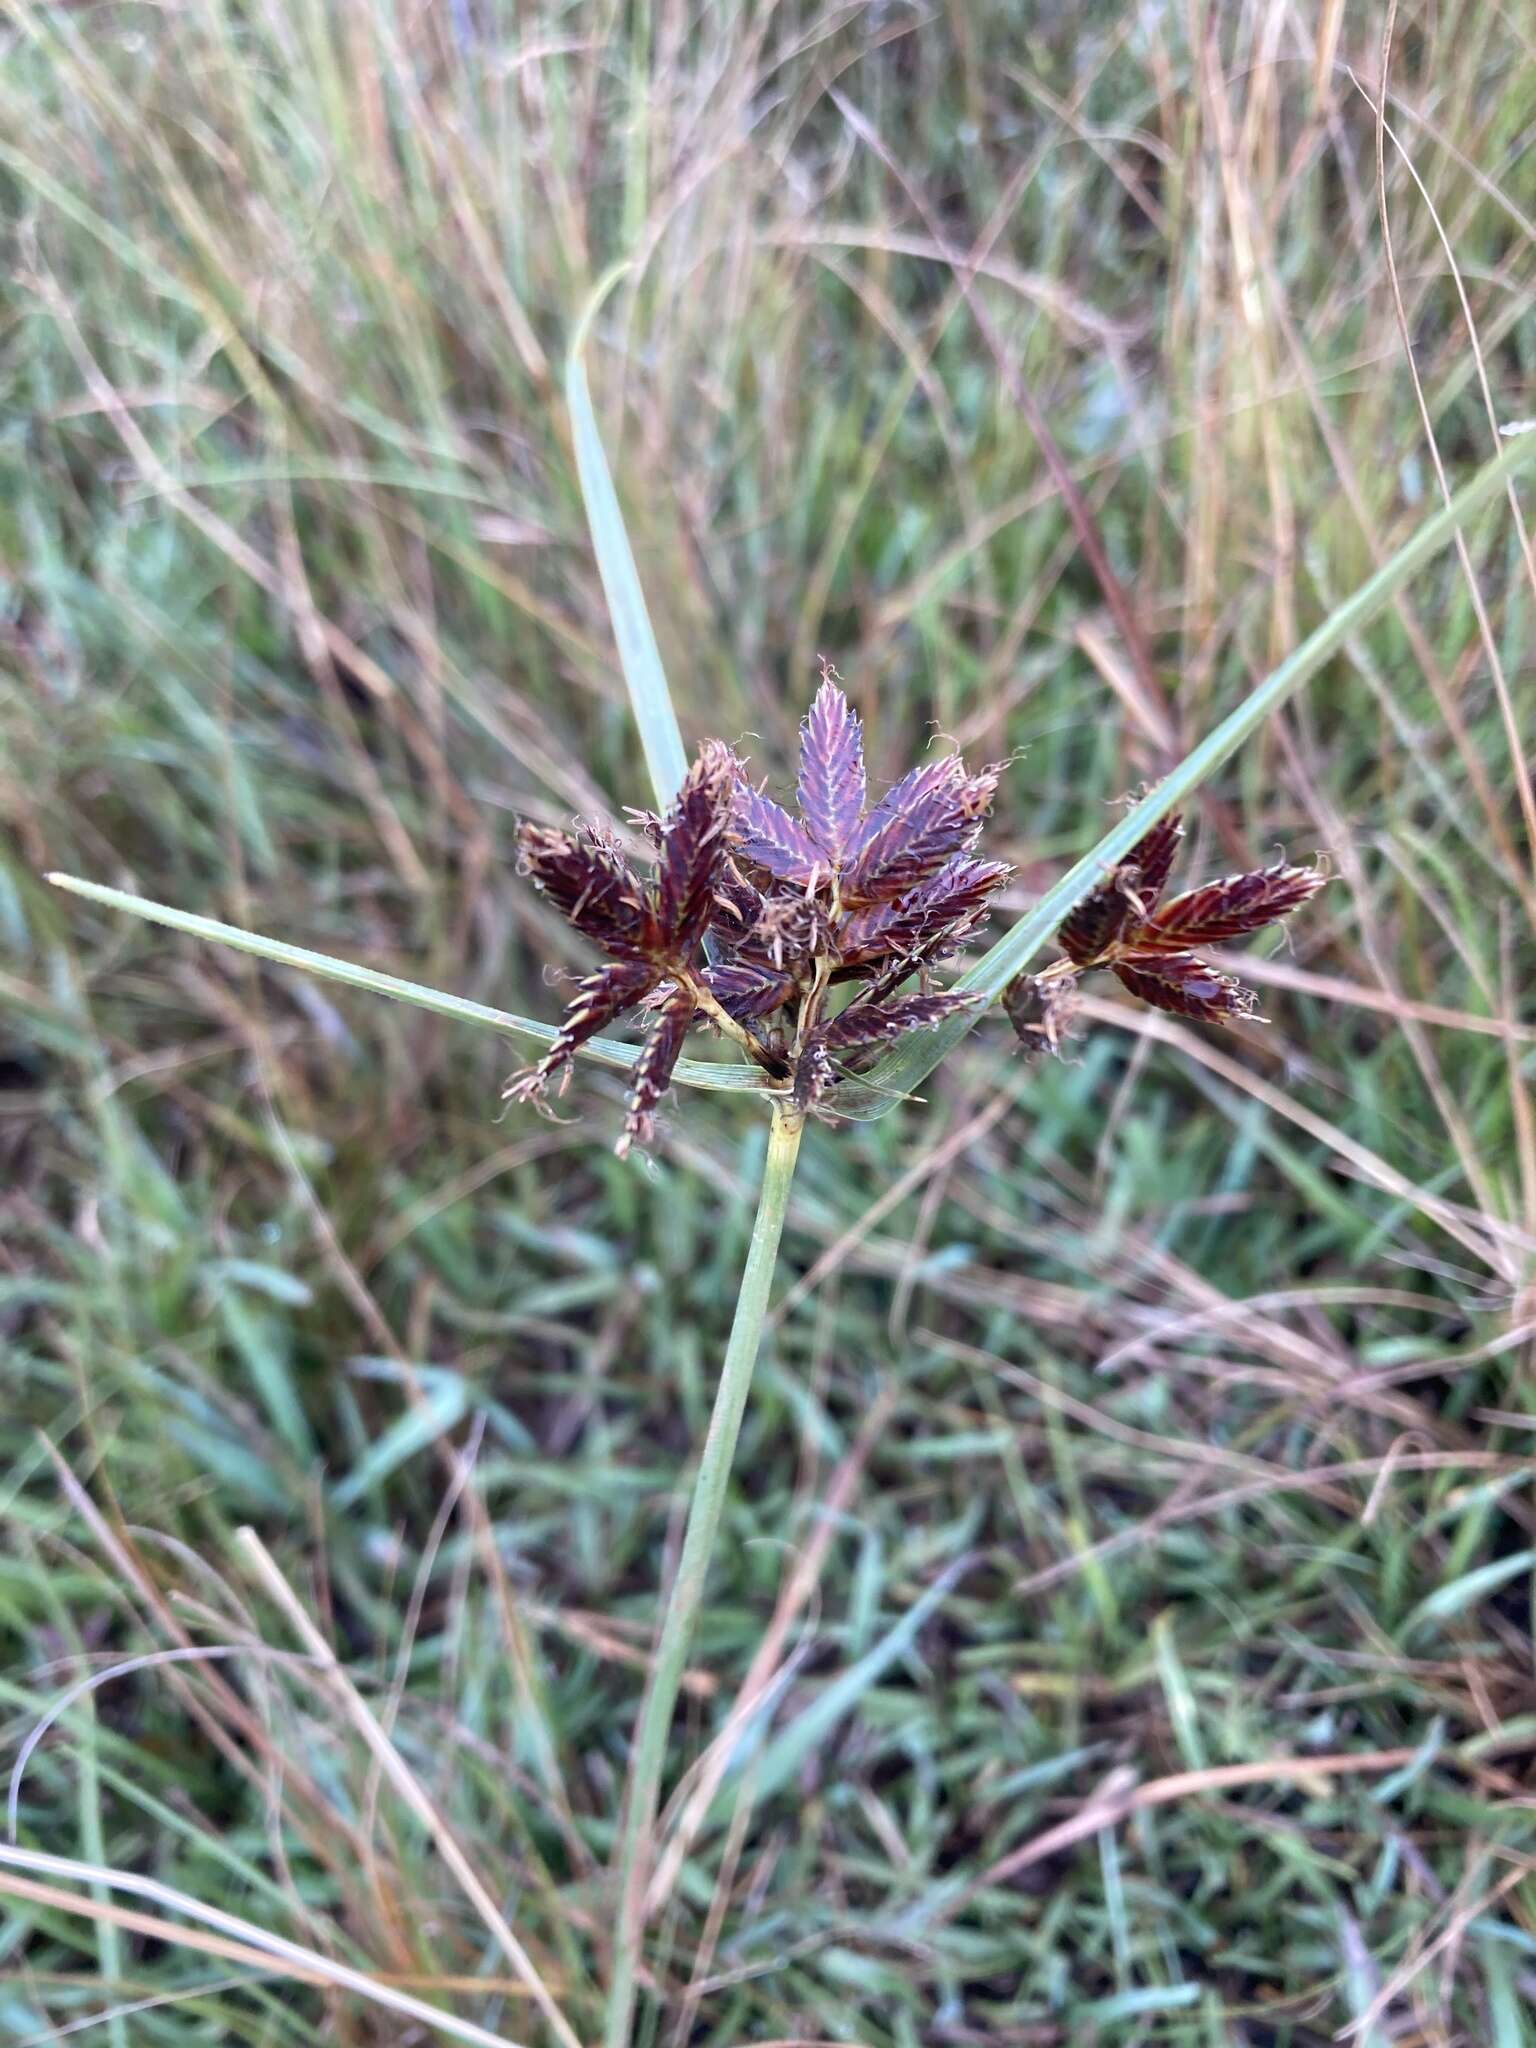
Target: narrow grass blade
(1139, 2004)
(1508, 2028)
(1470, 1590)
(909, 1063)
(1361, 1982)
(420, 1425)
(696, 1073)
(809, 1731)
(297, 1960)
(639, 656)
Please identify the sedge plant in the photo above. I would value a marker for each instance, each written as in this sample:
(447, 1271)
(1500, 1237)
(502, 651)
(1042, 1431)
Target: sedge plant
(811, 940)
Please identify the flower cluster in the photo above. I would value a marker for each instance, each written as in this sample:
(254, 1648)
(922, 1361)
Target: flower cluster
(795, 934)
(759, 922)
(1151, 945)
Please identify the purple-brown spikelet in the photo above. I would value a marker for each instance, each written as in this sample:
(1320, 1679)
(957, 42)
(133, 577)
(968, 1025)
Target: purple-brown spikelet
(831, 784)
(653, 1071)
(769, 837)
(692, 846)
(599, 998)
(871, 1023)
(585, 877)
(1186, 986)
(651, 930)
(1129, 893)
(1228, 909)
(1149, 944)
(932, 817)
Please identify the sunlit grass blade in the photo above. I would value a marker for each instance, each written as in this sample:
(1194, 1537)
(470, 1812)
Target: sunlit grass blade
(909, 1063)
(609, 1051)
(639, 656)
(291, 1957)
(407, 1787)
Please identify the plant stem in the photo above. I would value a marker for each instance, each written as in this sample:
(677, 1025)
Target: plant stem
(712, 1007)
(648, 1756)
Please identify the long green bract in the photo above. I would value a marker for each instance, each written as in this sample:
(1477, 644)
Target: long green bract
(639, 656)
(914, 1058)
(609, 1051)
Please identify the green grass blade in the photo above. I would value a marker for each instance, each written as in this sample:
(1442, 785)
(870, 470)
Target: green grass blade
(911, 1061)
(1360, 1981)
(810, 1730)
(1508, 2028)
(609, 1051)
(639, 656)
(1470, 1590)
(447, 1402)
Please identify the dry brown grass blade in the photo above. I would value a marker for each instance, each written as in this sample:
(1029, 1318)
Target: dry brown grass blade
(1117, 1801)
(405, 1784)
(1084, 525)
(1278, 972)
(149, 1924)
(218, 531)
(1519, 764)
(1495, 1244)
(242, 1939)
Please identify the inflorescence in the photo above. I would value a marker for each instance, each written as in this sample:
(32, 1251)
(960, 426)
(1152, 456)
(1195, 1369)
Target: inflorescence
(795, 935)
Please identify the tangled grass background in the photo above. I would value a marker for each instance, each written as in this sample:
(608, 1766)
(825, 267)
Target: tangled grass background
(1126, 1593)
